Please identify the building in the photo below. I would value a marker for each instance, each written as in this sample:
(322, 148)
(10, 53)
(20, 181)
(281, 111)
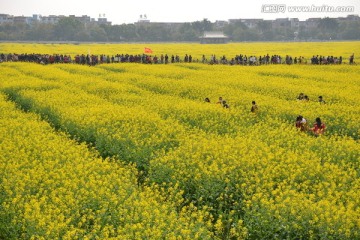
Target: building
(349, 18)
(82, 19)
(143, 19)
(281, 23)
(294, 23)
(173, 26)
(214, 37)
(6, 18)
(51, 19)
(20, 19)
(311, 23)
(36, 18)
(250, 22)
(104, 21)
(220, 24)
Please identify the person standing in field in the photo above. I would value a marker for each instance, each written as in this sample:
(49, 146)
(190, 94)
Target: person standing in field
(203, 59)
(220, 101)
(225, 105)
(351, 59)
(162, 58)
(321, 100)
(301, 123)
(319, 127)
(301, 96)
(298, 122)
(186, 58)
(254, 107)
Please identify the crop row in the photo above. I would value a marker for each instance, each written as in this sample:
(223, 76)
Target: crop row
(254, 174)
(53, 187)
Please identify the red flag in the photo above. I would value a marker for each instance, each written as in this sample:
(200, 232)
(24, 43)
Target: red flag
(148, 50)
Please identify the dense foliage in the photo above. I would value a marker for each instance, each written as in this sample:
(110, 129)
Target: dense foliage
(71, 29)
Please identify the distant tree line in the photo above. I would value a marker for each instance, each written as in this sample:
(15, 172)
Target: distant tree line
(70, 29)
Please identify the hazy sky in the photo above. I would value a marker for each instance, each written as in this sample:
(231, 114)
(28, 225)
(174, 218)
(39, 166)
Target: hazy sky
(129, 11)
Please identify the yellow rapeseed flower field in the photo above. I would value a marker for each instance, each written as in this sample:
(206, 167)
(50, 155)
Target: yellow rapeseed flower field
(55, 188)
(132, 151)
(295, 49)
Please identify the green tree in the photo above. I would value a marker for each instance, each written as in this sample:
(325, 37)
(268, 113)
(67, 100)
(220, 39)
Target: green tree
(187, 33)
(235, 31)
(97, 34)
(328, 28)
(264, 26)
(158, 33)
(119, 33)
(41, 32)
(251, 35)
(67, 29)
(265, 30)
(351, 31)
(201, 26)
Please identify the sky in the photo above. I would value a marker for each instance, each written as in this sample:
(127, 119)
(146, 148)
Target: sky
(129, 11)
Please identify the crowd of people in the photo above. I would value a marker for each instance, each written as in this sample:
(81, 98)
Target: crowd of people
(91, 59)
(300, 123)
(303, 97)
(317, 129)
(222, 102)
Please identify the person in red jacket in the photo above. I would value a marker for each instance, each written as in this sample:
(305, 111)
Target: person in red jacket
(319, 127)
